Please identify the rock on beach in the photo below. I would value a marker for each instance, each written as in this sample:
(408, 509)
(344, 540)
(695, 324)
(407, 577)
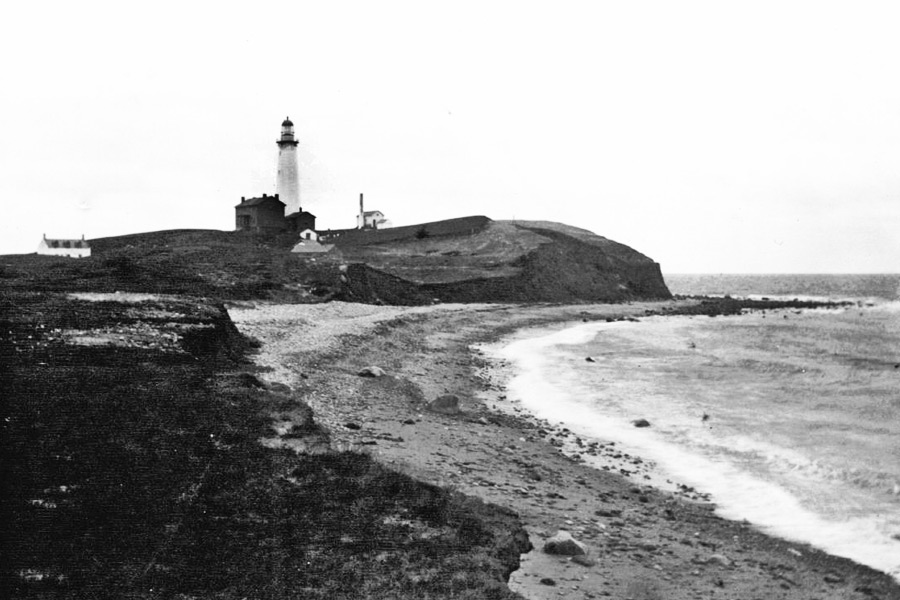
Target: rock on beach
(371, 372)
(448, 404)
(564, 544)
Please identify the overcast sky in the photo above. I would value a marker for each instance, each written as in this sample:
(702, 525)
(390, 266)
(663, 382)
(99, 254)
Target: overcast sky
(712, 136)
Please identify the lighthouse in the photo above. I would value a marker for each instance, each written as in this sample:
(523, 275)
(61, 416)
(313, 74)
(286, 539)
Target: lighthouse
(287, 182)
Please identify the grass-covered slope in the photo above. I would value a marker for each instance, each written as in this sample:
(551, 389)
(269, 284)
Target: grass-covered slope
(471, 259)
(132, 468)
(218, 264)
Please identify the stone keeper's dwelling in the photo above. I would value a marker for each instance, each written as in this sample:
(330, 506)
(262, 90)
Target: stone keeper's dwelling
(266, 215)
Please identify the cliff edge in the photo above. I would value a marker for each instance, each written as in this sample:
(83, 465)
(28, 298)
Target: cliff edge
(480, 260)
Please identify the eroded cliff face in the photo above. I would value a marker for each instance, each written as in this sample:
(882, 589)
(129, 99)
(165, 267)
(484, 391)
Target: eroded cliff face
(564, 270)
(505, 262)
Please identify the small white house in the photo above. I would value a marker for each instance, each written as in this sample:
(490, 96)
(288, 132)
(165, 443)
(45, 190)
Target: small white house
(70, 248)
(309, 234)
(372, 219)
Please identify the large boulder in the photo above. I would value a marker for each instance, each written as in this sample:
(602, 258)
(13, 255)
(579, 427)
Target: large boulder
(564, 544)
(448, 404)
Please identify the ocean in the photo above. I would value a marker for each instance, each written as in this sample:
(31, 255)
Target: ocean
(789, 419)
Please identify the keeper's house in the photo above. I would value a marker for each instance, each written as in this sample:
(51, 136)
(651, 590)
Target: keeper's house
(266, 215)
(70, 248)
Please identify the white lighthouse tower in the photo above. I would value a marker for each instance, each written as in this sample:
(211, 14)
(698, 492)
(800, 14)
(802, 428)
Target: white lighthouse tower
(287, 182)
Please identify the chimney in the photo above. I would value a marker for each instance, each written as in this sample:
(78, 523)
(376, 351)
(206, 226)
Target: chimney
(265, 195)
(360, 203)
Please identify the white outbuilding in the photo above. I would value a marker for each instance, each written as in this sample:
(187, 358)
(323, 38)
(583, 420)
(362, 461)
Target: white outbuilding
(60, 247)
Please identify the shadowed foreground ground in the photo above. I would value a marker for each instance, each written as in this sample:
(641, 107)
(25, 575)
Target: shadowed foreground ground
(133, 469)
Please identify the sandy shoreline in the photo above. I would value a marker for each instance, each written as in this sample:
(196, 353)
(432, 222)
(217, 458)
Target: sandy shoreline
(644, 542)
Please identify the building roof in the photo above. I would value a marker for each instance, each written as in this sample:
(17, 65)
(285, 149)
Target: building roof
(257, 201)
(372, 213)
(287, 122)
(295, 215)
(311, 247)
(64, 243)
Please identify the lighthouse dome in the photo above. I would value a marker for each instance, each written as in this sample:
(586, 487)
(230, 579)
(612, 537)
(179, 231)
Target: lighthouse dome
(287, 122)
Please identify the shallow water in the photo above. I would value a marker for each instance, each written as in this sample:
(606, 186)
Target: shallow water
(802, 435)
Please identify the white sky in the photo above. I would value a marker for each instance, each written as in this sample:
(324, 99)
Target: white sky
(712, 136)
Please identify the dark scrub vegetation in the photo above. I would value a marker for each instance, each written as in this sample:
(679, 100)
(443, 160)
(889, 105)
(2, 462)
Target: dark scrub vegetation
(132, 469)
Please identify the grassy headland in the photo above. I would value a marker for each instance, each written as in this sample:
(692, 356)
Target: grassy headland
(472, 259)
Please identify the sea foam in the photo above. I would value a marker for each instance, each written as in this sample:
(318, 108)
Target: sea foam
(549, 381)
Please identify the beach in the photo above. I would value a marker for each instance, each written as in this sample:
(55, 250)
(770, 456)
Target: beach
(645, 538)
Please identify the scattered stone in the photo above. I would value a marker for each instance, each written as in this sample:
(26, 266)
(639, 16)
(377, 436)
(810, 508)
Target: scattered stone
(720, 559)
(409, 421)
(564, 544)
(584, 560)
(833, 578)
(448, 404)
(249, 380)
(354, 426)
(548, 581)
(589, 359)
(371, 372)
(533, 474)
(280, 388)
(641, 423)
(614, 512)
